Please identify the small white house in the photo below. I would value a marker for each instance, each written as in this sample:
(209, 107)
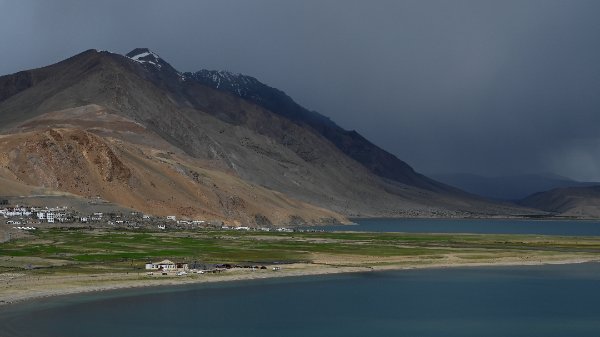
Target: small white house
(171, 217)
(166, 265)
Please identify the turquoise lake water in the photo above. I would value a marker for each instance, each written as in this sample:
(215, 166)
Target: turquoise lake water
(560, 300)
(481, 226)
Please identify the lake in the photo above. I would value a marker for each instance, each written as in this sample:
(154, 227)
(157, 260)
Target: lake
(479, 226)
(556, 300)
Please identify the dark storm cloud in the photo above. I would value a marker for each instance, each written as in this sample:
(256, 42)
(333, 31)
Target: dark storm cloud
(490, 87)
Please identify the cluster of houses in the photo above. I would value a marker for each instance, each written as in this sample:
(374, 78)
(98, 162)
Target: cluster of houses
(263, 229)
(27, 215)
(184, 222)
(20, 214)
(166, 267)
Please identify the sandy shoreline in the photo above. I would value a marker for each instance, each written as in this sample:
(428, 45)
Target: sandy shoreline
(19, 287)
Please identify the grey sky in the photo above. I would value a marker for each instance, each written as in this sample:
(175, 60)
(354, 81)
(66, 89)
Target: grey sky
(489, 87)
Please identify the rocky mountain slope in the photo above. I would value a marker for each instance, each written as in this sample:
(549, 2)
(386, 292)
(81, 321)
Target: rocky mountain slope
(137, 132)
(581, 202)
(375, 159)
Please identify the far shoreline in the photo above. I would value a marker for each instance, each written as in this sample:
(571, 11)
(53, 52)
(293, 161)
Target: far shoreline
(516, 217)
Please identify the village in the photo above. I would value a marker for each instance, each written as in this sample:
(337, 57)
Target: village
(28, 216)
(20, 217)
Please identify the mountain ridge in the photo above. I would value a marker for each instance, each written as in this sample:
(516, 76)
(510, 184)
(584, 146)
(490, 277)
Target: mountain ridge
(579, 202)
(350, 142)
(515, 187)
(221, 132)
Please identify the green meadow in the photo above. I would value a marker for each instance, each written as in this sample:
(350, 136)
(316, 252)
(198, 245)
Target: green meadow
(81, 250)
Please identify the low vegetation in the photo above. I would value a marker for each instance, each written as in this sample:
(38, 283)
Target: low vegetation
(97, 251)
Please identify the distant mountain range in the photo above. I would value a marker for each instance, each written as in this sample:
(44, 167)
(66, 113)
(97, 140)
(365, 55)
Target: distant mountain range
(580, 202)
(137, 132)
(515, 187)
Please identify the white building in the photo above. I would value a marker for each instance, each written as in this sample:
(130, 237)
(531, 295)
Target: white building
(166, 265)
(45, 215)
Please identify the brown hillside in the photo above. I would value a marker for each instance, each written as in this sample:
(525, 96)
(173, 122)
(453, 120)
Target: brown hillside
(83, 163)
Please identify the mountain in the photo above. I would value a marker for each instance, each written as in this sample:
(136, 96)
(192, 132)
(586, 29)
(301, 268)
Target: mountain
(514, 187)
(137, 132)
(350, 143)
(581, 202)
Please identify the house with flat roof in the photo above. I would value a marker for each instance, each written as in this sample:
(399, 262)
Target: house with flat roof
(166, 265)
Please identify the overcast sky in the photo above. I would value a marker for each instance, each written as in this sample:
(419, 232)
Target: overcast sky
(488, 87)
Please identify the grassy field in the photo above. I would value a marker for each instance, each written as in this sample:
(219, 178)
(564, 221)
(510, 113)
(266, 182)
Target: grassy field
(95, 251)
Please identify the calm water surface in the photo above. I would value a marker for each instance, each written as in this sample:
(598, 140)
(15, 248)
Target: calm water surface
(540, 301)
(483, 226)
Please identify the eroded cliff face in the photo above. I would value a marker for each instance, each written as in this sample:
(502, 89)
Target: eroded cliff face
(65, 159)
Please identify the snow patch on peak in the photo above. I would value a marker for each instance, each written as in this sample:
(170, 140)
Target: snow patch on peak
(138, 57)
(145, 56)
